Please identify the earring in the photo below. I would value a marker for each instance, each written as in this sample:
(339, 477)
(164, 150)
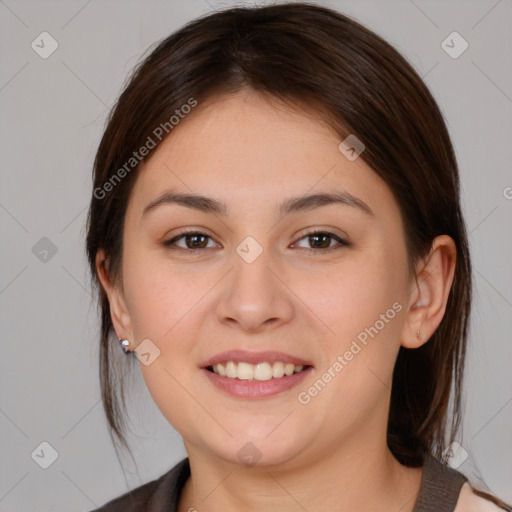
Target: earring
(124, 345)
(418, 335)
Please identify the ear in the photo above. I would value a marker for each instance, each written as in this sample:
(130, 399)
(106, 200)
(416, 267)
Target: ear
(119, 312)
(429, 292)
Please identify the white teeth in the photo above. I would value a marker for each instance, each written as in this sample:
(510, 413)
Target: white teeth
(260, 371)
(289, 369)
(278, 370)
(263, 371)
(245, 371)
(231, 369)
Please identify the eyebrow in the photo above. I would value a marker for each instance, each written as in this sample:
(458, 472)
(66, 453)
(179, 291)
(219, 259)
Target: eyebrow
(292, 205)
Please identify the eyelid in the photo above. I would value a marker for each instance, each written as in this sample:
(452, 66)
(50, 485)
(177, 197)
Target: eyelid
(312, 230)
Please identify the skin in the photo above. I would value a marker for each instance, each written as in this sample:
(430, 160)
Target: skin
(331, 453)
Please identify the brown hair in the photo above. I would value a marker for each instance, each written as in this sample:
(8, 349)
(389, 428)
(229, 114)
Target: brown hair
(322, 62)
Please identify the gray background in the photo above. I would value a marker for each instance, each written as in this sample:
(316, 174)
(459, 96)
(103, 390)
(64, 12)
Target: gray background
(52, 116)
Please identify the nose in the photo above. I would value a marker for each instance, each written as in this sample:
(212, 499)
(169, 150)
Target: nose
(255, 296)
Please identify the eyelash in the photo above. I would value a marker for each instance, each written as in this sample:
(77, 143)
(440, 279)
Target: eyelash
(342, 243)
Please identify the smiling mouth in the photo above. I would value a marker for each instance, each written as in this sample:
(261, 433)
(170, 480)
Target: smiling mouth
(261, 372)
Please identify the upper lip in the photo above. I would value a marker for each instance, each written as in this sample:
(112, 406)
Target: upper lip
(269, 356)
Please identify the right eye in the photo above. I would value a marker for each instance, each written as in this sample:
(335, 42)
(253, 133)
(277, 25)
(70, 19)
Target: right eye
(194, 240)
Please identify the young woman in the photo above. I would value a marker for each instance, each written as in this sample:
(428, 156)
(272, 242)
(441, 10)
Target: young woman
(276, 235)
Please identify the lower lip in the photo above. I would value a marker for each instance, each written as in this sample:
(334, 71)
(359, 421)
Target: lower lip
(256, 388)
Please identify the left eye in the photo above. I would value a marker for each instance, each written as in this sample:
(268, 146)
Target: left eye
(195, 240)
(322, 240)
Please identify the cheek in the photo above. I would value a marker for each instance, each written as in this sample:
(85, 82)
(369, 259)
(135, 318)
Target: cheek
(364, 310)
(163, 304)
(365, 291)
(160, 295)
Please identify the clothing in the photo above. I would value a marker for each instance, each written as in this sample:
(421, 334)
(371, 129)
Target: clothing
(439, 492)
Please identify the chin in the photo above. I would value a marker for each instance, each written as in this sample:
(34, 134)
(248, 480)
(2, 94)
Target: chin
(261, 447)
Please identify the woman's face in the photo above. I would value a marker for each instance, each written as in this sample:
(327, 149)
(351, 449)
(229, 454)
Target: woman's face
(253, 287)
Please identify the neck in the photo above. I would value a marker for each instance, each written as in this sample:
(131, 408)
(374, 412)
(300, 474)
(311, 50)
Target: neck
(365, 477)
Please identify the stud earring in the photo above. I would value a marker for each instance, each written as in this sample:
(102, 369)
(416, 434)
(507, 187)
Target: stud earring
(124, 345)
(418, 335)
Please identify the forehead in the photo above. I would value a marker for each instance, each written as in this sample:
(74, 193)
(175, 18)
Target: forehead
(241, 148)
(243, 130)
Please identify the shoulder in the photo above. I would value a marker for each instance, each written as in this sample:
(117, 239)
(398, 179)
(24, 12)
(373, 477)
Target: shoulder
(470, 502)
(135, 500)
(155, 496)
